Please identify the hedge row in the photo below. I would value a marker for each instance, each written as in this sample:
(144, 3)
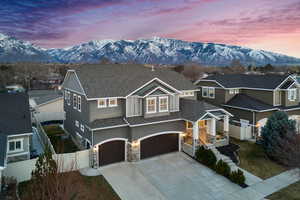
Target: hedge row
(208, 158)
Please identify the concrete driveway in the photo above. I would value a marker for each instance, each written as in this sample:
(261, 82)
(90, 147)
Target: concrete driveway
(172, 176)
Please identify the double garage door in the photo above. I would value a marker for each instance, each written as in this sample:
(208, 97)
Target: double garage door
(114, 151)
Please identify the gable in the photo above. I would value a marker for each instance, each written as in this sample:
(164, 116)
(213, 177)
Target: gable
(150, 87)
(71, 82)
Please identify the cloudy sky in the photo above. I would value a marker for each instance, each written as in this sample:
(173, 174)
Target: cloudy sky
(262, 24)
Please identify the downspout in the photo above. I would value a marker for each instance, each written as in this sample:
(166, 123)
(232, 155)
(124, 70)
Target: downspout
(253, 127)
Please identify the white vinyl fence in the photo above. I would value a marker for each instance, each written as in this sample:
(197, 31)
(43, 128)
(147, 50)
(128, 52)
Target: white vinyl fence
(21, 171)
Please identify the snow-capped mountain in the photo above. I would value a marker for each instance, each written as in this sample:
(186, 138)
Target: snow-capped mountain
(151, 51)
(14, 50)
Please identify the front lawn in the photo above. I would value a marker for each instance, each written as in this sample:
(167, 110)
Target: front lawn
(60, 143)
(254, 160)
(93, 188)
(291, 192)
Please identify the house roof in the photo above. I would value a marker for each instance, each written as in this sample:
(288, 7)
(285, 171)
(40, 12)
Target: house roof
(247, 80)
(140, 120)
(3, 143)
(15, 116)
(119, 80)
(44, 96)
(244, 101)
(107, 123)
(193, 110)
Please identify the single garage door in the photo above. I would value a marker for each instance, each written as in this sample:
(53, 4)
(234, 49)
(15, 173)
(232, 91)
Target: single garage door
(111, 152)
(160, 144)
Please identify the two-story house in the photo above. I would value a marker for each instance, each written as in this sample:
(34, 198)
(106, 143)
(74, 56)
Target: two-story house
(132, 112)
(252, 99)
(15, 129)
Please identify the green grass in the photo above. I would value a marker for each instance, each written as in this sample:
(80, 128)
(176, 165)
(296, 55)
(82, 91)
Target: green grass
(60, 145)
(291, 192)
(96, 187)
(254, 160)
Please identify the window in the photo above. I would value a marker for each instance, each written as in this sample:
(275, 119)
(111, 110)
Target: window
(205, 92)
(189, 125)
(79, 103)
(68, 96)
(101, 103)
(292, 94)
(163, 104)
(77, 123)
(234, 91)
(74, 101)
(15, 145)
(211, 93)
(82, 127)
(187, 94)
(151, 105)
(112, 102)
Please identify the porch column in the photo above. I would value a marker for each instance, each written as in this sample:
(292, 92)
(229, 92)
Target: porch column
(213, 127)
(226, 123)
(196, 130)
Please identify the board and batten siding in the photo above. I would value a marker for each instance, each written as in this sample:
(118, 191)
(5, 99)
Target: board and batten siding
(174, 103)
(134, 106)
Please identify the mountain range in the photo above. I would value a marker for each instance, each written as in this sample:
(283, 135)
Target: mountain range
(146, 51)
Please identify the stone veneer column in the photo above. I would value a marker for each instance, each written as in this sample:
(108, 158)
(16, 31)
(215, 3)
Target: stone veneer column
(133, 151)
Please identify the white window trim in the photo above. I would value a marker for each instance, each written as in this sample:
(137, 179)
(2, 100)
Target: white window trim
(203, 92)
(147, 99)
(78, 135)
(79, 103)
(77, 123)
(16, 150)
(165, 97)
(289, 94)
(231, 91)
(68, 98)
(75, 101)
(113, 105)
(82, 127)
(187, 94)
(102, 106)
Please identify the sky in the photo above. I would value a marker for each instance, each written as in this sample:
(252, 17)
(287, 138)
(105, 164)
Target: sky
(272, 25)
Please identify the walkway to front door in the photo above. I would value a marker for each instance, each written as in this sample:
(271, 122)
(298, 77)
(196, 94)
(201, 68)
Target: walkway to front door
(172, 176)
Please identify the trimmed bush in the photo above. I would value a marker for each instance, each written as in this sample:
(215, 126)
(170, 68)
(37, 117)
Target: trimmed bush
(238, 177)
(223, 168)
(206, 157)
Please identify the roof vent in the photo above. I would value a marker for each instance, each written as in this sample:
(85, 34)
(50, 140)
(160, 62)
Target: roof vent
(152, 68)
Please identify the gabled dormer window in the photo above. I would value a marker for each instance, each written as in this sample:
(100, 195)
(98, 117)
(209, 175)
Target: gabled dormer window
(151, 105)
(208, 92)
(102, 103)
(163, 104)
(112, 102)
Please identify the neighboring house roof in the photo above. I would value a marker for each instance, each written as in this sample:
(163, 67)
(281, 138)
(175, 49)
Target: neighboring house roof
(119, 80)
(15, 116)
(247, 81)
(41, 97)
(107, 123)
(246, 102)
(3, 143)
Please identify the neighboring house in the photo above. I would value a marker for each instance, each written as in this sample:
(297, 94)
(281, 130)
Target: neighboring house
(46, 100)
(15, 128)
(132, 112)
(252, 99)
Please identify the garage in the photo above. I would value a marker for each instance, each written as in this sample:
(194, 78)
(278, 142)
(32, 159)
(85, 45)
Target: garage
(159, 144)
(111, 152)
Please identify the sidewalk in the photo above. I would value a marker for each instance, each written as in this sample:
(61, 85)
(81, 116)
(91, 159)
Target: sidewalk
(266, 187)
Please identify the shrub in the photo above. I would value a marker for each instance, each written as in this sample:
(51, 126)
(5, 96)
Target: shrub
(238, 177)
(223, 168)
(206, 157)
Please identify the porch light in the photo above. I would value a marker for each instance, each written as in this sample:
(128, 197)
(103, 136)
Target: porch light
(258, 125)
(135, 143)
(95, 148)
(183, 134)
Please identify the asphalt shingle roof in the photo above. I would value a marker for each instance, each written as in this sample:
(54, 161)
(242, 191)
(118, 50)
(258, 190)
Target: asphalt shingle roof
(43, 96)
(104, 123)
(249, 81)
(247, 102)
(142, 120)
(119, 80)
(3, 143)
(15, 116)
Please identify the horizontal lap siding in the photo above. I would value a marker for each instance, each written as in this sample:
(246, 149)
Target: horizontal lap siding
(102, 135)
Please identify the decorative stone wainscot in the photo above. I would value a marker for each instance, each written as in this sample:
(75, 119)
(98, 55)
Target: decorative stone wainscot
(133, 151)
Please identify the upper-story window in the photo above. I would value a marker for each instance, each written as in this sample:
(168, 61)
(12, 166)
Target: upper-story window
(292, 94)
(68, 97)
(234, 91)
(82, 127)
(151, 105)
(102, 103)
(74, 101)
(187, 94)
(112, 102)
(163, 104)
(79, 103)
(208, 92)
(15, 145)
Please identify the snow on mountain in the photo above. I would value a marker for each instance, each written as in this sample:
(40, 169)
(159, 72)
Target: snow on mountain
(153, 51)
